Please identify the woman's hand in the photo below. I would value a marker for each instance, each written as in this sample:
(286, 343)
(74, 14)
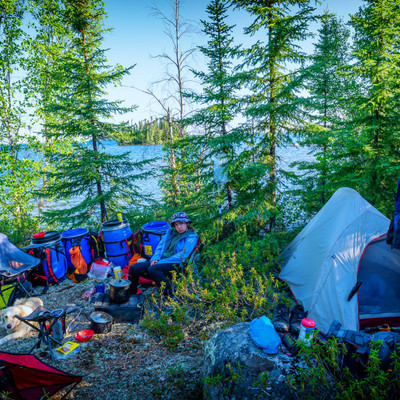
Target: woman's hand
(154, 262)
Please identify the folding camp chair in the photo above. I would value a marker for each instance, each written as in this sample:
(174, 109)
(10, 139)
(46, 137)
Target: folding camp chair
(46, 320)
(193, 259)
(15, 266)
(25, 377)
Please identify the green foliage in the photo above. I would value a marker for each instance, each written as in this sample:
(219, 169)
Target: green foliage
(18, 171)
(217, 101)
(271, 107)
(324, 109)
(324, 375)
(367, 157)
(102, 181)
(163, 326)
(49, 40)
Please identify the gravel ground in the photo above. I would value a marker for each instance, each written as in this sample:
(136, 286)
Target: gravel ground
(127, 363)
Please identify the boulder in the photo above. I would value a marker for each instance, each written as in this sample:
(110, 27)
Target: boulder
(234, 368)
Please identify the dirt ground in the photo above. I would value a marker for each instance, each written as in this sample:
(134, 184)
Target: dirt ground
(127, 363)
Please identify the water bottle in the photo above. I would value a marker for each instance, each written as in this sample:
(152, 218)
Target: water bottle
(58, 331)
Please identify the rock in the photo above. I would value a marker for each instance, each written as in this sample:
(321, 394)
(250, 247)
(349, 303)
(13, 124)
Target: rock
(234, 368)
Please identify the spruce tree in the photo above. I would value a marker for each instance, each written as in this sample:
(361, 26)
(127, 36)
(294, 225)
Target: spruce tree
(272, 108)
(218, 107)
(369, 157)
(324, 107)
(87, 174)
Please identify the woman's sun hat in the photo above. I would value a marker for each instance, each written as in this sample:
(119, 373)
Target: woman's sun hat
(181, 217)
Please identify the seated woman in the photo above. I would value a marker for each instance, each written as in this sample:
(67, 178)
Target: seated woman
(174, 248)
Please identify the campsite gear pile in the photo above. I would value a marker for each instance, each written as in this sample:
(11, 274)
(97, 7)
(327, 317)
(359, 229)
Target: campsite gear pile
(361, 343)
(292, 325)
(339, 267)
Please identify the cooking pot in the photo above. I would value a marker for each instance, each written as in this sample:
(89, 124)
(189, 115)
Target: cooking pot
(120, 291)
(100, 322)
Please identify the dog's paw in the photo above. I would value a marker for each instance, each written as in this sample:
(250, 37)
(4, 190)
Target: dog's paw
(2, 341)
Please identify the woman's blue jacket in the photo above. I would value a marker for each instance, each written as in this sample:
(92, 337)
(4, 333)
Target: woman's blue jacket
(184, 246)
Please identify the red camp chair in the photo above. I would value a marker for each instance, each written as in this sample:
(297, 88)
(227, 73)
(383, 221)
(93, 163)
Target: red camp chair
(25, 377)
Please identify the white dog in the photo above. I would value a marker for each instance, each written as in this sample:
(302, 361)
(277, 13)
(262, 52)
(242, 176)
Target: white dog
(14, 327)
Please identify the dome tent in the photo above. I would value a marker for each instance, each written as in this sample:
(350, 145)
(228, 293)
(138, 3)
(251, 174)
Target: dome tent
(342, 249)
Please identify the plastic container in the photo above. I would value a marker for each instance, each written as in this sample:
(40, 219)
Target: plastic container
(116, 235)
(100, 288)
(100, 269)
(84, 336)
(58, 333)
(117, 272)
(152, 233)
(77, 237)
(307, 328)
(46, 237)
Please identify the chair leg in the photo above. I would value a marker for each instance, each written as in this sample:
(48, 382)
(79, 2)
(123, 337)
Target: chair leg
(37, 344)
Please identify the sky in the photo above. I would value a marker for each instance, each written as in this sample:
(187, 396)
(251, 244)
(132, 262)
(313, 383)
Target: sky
(137, 37)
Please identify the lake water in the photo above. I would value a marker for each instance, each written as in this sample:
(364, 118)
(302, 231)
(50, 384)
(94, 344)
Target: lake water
(150, 186)
(139, 153)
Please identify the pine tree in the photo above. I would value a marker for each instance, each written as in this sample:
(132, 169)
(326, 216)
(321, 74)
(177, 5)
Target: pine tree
(93, 177)
(271, 108)
(369, 157)
(327, 87)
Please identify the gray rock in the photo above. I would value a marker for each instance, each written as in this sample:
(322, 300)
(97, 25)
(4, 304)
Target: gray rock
(234, 368)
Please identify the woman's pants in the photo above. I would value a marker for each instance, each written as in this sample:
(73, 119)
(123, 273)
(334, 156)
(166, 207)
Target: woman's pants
(158, 272)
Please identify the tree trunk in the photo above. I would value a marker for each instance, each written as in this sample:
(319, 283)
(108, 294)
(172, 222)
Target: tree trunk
(174, 183)
(272, 128)
(103, 210)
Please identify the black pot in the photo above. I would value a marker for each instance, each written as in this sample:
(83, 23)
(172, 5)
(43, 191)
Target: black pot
(100, 322)
(120, 291)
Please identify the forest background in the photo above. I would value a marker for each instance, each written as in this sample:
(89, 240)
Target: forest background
(220, 134)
